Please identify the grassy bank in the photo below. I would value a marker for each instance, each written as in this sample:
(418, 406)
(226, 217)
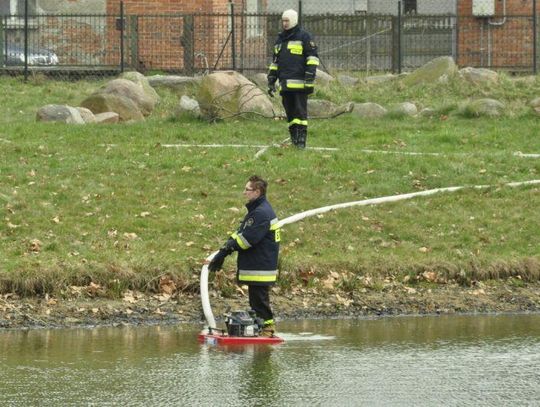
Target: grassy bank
(109, 205)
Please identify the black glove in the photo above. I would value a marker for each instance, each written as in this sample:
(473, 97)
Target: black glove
(217, 261)
(219, 258)
(271, 89)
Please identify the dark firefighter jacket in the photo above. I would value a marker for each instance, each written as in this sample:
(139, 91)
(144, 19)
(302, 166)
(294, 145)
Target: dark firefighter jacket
(257, 242)
(295, 61)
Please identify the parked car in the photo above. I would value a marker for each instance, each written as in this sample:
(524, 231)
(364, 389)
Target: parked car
(14, 55)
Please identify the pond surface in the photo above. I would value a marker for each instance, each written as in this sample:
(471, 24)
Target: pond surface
(446, 360)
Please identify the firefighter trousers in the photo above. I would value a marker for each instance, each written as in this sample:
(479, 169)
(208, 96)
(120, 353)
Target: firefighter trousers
(295, 104)
(259, 301)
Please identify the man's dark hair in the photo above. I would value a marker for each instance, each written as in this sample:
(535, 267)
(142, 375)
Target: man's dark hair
(258, 183)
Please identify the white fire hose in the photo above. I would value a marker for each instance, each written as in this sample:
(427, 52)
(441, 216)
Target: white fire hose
(207, 310)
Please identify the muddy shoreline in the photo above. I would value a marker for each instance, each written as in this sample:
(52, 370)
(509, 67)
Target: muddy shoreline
(143, 309)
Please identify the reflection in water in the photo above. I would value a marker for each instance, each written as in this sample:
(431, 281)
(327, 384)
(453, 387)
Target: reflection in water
(450, 360)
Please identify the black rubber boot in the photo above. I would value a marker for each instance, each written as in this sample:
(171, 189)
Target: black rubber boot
(293, 132)
(301, 137)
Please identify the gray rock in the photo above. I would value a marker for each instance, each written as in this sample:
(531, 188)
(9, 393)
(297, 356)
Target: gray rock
(528, 80)
(405, 109)
(321, 108)
(326, 109)
(143, 82)
(479, 75)
(226, 93)
(86, 115)
(377, 79)
(432, 71)
(260, 80)
(188, 106)
(132, 91)
(323, 78)
(347, 81)
(535, 104)
(427, 112)
(106, 102)
(485, 107)
(178, 84)
(368, 110)
(107, 117)
(59, 113)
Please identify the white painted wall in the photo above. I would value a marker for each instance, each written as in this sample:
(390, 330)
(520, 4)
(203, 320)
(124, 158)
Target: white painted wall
(433, 7)
(72, 6)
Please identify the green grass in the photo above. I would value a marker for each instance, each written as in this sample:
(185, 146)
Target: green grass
(109, 204)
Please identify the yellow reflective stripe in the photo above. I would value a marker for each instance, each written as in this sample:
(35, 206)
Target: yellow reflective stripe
(277, 48)
(269, 322)
(241, 240)
(257, 279)
(312, 61)
(296, 47)
(295, 84)
(298, 121)
(273, 67)
(274, 225)
(310, 85)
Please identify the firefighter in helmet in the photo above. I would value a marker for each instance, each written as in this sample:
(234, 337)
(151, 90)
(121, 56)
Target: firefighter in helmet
(293, 70)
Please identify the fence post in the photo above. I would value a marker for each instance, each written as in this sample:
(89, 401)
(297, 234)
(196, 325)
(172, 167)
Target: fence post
(399, 37)
(122, 36)
(300, 15)
(134, 41)
(25, 40)
(2, 44)
(187, 42)
(535, 38)
(233, 38)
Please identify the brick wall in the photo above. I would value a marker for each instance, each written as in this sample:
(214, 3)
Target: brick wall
(161, 33)
(489, 43)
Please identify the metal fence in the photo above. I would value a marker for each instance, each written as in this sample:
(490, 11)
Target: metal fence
(66, 45)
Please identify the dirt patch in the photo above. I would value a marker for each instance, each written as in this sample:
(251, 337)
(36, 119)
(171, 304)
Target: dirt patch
(137, 308)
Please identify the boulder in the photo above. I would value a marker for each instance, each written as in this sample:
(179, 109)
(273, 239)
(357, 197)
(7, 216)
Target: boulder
(377, 79)
(485, 107)
(368, 110)
(132, 91)
(188, 106)
(225, 93)
(323, 78)
(261, 80)
(427, 112)
(143, 82)
(86, 115)
(107, 117)
(347, 81)
(529, 80)
(404, 109)
(432, 71)
(106, 102)
(535, 104)
(321, 108)
(175, 83)
(59, 113)
(479, 75)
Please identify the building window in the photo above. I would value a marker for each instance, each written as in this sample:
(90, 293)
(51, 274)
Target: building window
(409, 7)
(16, 7)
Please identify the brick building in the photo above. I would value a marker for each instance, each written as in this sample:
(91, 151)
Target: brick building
(188, 34)
(503, 37)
